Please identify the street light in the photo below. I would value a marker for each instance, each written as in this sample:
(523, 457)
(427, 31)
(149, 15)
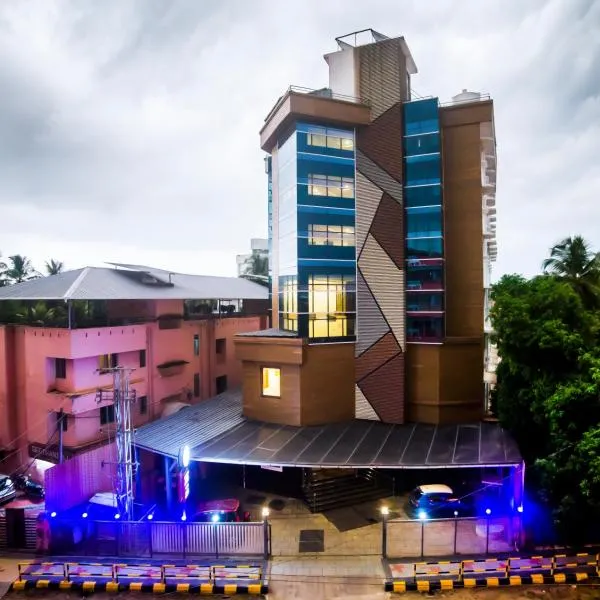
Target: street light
(265, 516)
(385, 511)
(265, 512)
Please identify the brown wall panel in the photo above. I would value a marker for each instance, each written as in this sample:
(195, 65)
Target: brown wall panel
(468, 113)
(463, 230)
(327, 384)
(376, 355)
(269, 349)
(388, 229)
(284, 410)
(422, 373)
(461, 373)
(384, 389)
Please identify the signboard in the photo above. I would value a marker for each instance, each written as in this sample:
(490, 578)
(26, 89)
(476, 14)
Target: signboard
(272, 468)
(49, 453)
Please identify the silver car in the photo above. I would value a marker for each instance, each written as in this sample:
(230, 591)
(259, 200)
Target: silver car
(7, 489)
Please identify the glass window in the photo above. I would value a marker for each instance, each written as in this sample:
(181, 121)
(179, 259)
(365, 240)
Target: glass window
(424, 277)
(334, 142)
(330, 299)
(422, 170)
(330, 235)
(60, 368)
(316, 139)
(142, 359)
(143, 401)
(424, 248)
(104, 362)
(271, 382)
(331, 185)
(422, 144)
(348, 144)
(424, 302)
(429, 195)
(424, 329)
(424, 222)
(196, 345)
(107, 414)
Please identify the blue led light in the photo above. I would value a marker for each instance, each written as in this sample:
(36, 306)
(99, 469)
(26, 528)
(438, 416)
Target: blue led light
(117, 516)
(215, 518)
(422, 515)
(52, 514)
(84, 515)
(488, 511)
(150, 517)
(520, 508)
(184, 517)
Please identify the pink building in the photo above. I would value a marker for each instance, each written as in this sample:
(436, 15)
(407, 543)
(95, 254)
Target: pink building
(175, 330)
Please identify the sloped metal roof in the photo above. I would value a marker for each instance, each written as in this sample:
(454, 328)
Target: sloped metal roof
(135, 283)
(216, 432)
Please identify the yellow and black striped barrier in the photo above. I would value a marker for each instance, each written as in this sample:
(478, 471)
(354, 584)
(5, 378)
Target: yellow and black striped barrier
(488, 582)
(88, 587)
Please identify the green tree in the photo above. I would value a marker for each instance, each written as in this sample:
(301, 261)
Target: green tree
(573, 260)
(54, 267)
(3, 280)
(257, 268)
(40, 314)
(19, 269)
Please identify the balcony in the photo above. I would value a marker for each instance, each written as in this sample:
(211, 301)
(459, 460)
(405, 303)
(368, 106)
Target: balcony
(172, 368)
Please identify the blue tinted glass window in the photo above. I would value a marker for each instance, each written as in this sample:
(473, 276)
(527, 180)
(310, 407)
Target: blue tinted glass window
(421, 116)
(422, 301)
(424, 222)
(424, 277)
(424, 329)
(422, 144)
(423, 169)
(430, 195)
(425, 248)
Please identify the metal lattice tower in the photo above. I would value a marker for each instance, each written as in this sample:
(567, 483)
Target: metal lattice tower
(123, 398)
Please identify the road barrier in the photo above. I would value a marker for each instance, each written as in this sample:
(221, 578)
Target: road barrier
(132, 574)
(493, 572)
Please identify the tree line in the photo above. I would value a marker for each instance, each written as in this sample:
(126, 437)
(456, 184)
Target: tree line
(18, 268)
(547, 331)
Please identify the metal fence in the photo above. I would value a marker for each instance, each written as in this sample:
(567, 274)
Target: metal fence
(156, 538)
(447, 537)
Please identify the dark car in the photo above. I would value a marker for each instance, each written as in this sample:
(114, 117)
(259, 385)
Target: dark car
(7, 489)
(220, 511)
(436, 501)
(31, 489)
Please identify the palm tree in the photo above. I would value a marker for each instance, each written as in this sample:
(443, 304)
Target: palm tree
(2, 272)
(573, 260)
(19, 269)
(40, 314)
(54, 267)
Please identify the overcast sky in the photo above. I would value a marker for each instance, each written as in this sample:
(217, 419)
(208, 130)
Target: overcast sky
(129, 129)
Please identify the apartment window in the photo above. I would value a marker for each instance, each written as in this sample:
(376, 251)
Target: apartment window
(142, 359)
(196, 345)
(108, 361)
(107, 414)
(330, 138)
(143, 400)
(114, 360)
(330, 235)
(271, 382)
(220, 346)
(331, 185)
(221, 384)
(196, 385)
(60, 368)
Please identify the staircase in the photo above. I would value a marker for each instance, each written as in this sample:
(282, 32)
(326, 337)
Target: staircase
(326, 489)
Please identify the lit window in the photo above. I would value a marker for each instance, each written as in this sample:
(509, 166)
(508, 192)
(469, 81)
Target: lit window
(330, 235)
(331, 185)
(347, 144)
(271, 382)
(334, 142)
(317, 139)
(336, 139)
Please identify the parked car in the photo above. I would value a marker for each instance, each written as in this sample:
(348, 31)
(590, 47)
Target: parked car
(221, 511)
(436, 501)
(7, 489)
(31, 489)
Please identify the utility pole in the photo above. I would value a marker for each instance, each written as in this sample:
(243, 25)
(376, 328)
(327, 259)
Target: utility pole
(122, 398)
(61, 416)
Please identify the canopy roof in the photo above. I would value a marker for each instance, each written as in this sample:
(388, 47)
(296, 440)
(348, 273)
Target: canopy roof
(216, 431)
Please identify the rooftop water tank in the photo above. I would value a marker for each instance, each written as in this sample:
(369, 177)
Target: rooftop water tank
(466, 96)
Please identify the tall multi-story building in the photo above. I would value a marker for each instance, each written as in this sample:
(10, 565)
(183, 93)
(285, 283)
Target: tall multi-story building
(175, 332)
(382, 232)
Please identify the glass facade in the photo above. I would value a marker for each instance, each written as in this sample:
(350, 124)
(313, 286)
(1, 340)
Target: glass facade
(317, 262)
(424, 222)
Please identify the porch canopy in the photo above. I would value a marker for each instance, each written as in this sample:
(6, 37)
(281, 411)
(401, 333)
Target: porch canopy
(216, 431)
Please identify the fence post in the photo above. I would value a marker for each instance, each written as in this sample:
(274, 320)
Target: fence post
(163, 576)
(215, 539)
(20, 572)
(455, 529)
(385, 511)
(422, 538)
(265, 516)
(65, 571)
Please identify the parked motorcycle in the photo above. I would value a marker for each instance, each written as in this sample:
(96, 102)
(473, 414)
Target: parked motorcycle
(31, 489)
